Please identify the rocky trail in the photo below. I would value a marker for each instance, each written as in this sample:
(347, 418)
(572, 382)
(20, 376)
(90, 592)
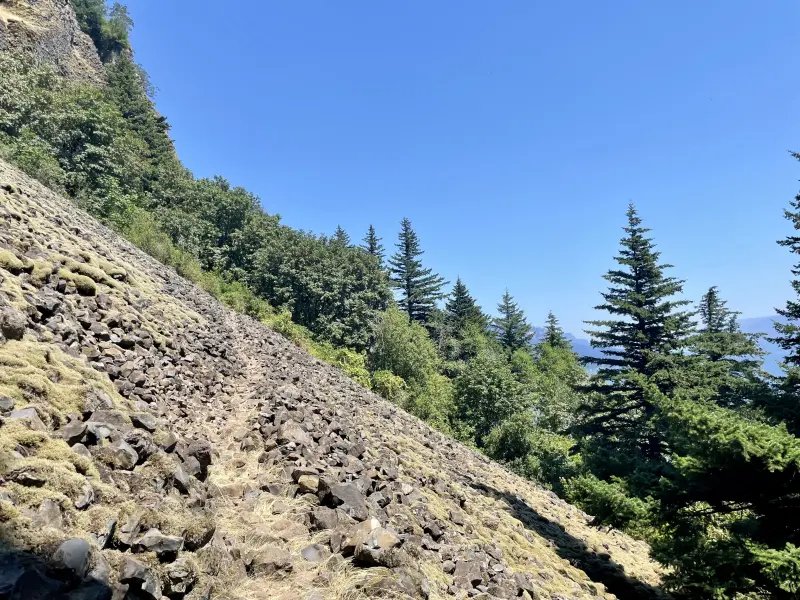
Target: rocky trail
(154, 444)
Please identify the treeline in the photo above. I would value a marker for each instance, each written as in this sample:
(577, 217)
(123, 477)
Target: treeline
(679, 437)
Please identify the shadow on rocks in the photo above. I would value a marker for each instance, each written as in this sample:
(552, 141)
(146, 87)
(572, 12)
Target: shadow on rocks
(598, 567)
(62, 576)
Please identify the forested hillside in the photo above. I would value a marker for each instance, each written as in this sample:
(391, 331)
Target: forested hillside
(676, 436)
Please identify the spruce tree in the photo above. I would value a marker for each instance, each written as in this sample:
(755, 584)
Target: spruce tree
(372, 244)
(553, 334)
(419, 288)
(340, 237)
(513, 329)
(642, 339)
(461, 309)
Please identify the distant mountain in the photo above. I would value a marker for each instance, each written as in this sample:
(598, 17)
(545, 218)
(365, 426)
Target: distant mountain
(765, 325)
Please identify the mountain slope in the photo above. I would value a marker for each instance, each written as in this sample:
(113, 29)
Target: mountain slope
(202, 455)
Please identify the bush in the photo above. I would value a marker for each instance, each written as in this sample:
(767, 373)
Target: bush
(533, 452)
(609, 503)
(403, 348)
(434, 402)
(390, 386)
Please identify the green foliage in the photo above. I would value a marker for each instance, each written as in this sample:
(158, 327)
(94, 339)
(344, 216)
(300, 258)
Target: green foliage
(513, 329)
(554, 335)
(487, 393)
(647, 330)
(404, 348)
(534, 452)
(433, 402)
(608, 501)
(108, 27)
(419, 288)
(372, 244)
(462, 311)
(390, 386)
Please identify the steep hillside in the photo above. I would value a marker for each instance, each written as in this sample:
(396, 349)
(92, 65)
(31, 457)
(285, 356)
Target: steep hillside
(154, 443)
(47, 32)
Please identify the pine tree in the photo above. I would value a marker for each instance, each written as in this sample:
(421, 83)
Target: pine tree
(513, 329)
(553, 334)
(419, 288)
(372, 244)
(340, 237)
(789, 333)
(643, 340)
(461, 309)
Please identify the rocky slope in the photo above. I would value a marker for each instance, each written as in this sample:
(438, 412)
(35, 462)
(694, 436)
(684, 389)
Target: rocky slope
(155, 444)
(47, 32)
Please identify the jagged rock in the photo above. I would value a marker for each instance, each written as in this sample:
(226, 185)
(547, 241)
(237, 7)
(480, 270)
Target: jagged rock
(24, 579)
(105, 536)
(90, 590)
(86, 499)
(377, 549)
(180, 579)
(467, 573)
(47, 303)
(48, 515)
(315, 553)
(291, 432)
(6, 404)
(271, 560)
(166, 547)
(121, 455)
(116, 418)
(141, 579)
(72, 556)
(12, 323)
(144, 421)
(324, 518)
(73, 432)
(30, 417)
(181, 479)
(345, 496)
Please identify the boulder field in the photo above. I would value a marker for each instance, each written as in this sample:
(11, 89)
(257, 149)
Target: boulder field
(155, 444)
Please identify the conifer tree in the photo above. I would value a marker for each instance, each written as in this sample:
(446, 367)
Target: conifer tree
(788, 336)
(728, 362)
(461, 309)
(553, 334)
(419, 288)
(372, 244)
(513, 329)
(340, 237)
(646, 330)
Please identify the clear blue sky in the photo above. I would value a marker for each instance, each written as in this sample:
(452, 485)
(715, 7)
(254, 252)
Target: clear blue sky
(513, 134)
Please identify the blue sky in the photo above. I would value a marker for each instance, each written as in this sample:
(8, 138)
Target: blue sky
(513, 134)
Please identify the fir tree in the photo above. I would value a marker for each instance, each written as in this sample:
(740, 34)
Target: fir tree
(728, 362)
(789, 333)
(372, 244)
(646, 331)
(513, 329)
(553, 334)
(340, 237)
(419, 288)
(461, 309)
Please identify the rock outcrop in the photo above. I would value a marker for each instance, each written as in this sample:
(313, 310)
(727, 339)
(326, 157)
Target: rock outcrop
(154, 444)
(47, 32)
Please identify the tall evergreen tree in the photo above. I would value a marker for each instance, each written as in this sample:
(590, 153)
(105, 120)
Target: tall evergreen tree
(340, 237)
(461, 309)
(728, 365)
(788, 336)
(513, 329)
(553, 334)
(372, 244)
(647, 330)
(419, 288)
